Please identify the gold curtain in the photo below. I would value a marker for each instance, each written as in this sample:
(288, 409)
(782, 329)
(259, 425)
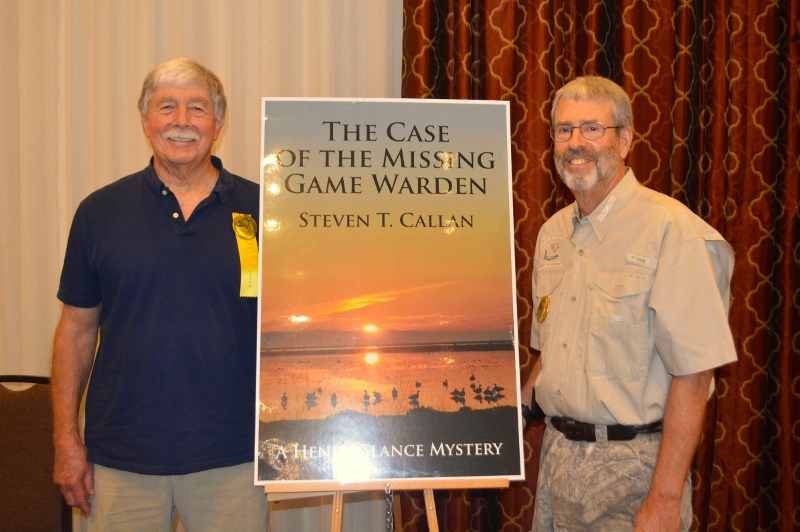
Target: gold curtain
(716, 97)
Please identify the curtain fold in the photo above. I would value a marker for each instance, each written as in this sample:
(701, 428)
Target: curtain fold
(716, 96)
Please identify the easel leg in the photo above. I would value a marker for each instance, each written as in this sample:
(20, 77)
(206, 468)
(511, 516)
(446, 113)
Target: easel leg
(336, 521)
(430, 510)
(398, 513)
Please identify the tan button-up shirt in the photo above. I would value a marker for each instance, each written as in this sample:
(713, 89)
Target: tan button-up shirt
(638, 291)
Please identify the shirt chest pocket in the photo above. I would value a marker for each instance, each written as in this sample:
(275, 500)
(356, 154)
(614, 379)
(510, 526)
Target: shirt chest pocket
(547, 290)
(622, 296)
(620, 338)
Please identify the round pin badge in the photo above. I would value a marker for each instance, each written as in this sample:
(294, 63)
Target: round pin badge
(244, 226)
(541, 311)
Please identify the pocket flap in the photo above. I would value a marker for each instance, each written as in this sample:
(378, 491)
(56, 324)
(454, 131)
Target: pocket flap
(547, 281)
(623, 283)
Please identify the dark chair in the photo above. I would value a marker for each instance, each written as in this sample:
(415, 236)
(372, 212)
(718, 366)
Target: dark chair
(30, 499)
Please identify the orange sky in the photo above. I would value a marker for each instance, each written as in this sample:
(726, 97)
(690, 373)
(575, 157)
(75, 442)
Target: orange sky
(382, 272)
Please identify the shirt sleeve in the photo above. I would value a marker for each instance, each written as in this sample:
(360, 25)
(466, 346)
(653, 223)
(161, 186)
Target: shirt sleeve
(534, 343)
(79, 286)
(689, 297)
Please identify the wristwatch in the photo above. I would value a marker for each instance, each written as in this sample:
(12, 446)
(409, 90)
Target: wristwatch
(527, 415)
(533, 412)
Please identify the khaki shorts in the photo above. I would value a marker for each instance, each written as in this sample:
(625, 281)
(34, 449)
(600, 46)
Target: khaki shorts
(217, 499)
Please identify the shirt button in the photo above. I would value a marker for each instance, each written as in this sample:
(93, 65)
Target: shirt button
(164, 192)
(564, 343)
(580, 252)
(573, 297)
(175, 215)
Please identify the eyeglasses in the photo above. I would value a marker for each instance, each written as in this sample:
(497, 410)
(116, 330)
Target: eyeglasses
(589, 131)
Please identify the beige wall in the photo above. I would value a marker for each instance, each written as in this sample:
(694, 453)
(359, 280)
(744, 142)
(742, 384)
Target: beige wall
(70, 75)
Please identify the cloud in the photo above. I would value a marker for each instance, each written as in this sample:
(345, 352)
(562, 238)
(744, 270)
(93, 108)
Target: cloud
(327, 309)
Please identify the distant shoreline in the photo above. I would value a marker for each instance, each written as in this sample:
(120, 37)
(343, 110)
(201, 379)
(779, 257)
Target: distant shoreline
(504, 345)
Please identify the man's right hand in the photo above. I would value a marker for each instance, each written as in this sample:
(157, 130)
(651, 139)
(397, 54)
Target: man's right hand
(74, 474)
(73, 353)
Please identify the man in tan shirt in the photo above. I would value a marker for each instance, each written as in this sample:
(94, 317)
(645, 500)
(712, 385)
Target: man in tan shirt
(631, 292)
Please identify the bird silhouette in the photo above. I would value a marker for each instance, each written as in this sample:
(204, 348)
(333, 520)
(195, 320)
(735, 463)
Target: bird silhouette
(456, 393)
(284, 400)
(445, 383)
(414, 402)
(333, 400)
(394, 393)
(418, 384)
(311, 400)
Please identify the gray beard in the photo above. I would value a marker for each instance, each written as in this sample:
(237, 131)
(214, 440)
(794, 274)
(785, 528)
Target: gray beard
(605, 165)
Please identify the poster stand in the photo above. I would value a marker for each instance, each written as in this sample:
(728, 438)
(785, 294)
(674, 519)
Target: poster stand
(425, 484)
(411, 204)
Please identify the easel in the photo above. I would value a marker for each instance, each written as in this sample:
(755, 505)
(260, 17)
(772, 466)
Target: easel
(427, 485)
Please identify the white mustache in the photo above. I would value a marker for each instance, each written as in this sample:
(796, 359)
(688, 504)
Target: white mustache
(579, 153)
(185, 135)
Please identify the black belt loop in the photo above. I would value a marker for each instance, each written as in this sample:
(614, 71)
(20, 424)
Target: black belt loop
(579, 431)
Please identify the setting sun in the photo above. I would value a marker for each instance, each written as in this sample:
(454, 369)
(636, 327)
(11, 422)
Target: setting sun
(371, 358)
(370, 328)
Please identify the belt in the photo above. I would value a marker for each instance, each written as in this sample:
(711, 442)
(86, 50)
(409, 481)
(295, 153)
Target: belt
(579, 431)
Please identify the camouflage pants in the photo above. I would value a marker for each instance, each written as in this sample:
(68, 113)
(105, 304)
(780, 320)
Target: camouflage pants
(589, 486)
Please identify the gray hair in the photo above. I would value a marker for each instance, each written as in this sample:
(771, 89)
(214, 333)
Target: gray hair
(181, 72)
(596, 88)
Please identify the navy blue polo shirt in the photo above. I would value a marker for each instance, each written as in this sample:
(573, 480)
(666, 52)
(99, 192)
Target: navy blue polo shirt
(172, 389)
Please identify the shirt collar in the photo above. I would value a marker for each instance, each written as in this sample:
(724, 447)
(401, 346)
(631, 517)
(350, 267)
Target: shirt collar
(600, 219)
(222, 188)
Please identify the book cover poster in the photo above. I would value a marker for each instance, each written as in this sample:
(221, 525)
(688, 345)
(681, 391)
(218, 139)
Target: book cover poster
(388, 337)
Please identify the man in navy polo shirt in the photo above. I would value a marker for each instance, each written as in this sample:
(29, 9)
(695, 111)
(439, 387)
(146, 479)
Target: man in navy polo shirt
(159, 280)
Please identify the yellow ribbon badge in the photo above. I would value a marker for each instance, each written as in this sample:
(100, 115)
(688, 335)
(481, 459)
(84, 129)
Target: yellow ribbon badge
(245, 228)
